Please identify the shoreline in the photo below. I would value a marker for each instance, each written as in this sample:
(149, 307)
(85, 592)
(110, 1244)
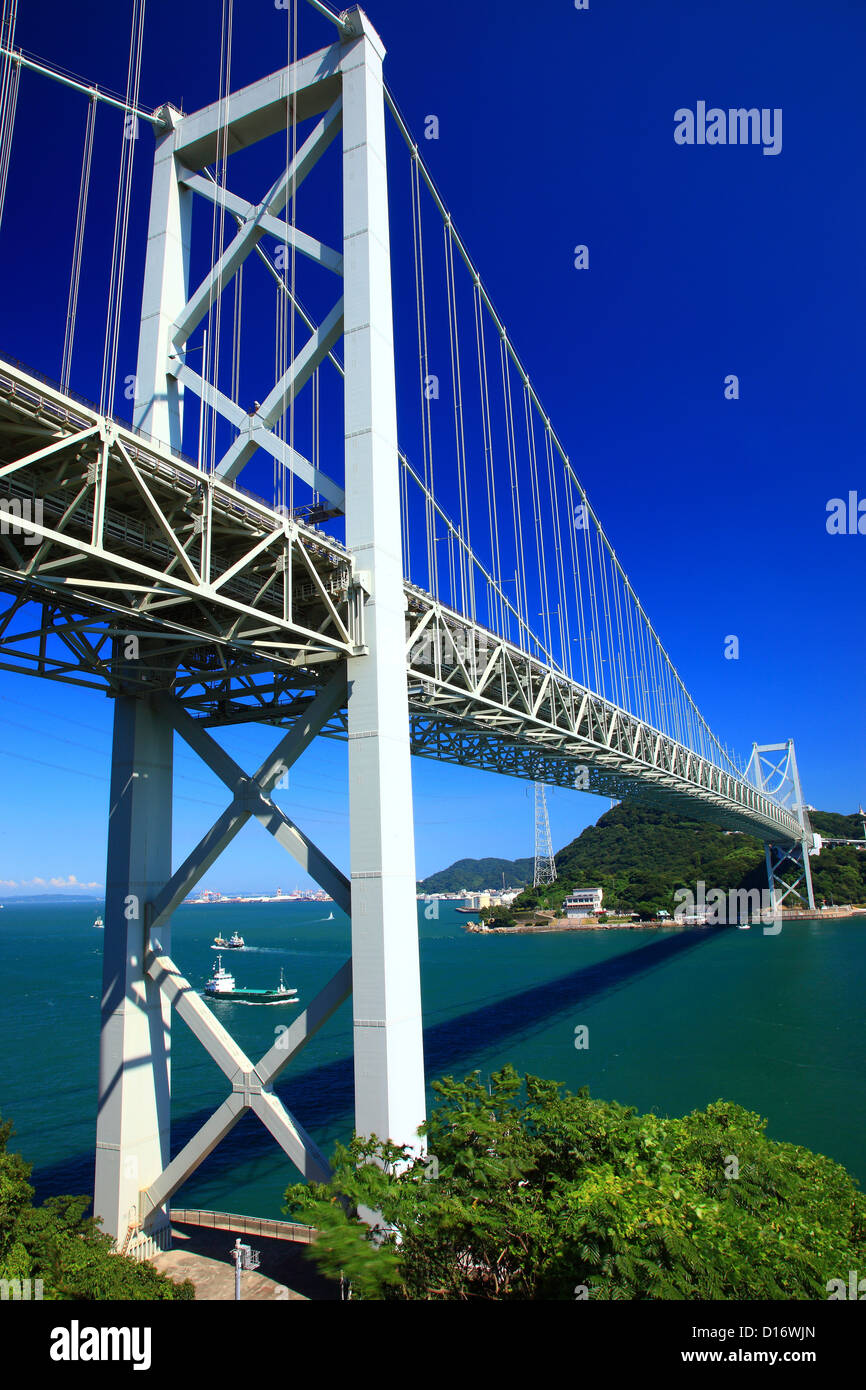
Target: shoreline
(560, 924)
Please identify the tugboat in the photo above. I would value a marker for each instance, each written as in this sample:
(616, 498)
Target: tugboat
(219, 943)
(221, 985)
(235, 942)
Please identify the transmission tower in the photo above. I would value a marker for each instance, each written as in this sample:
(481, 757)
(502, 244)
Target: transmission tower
(545, 867)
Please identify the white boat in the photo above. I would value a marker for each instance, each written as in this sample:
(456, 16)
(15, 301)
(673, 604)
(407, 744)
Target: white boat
(235, 942)
(330, 917)
(99, 922)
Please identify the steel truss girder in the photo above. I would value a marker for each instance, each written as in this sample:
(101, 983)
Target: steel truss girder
(125, 526)
(217, 684)
(462, 677)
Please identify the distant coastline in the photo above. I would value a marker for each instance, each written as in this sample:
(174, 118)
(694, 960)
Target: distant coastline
(208, 898)
(21, 899)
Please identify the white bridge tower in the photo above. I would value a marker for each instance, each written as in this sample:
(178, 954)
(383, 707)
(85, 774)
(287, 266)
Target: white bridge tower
(135, 1175)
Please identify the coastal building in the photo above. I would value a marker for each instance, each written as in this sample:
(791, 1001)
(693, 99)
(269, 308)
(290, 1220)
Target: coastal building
(583, 901)
(477, 900)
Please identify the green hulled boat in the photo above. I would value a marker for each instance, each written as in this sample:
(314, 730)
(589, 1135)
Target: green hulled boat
(221, 985)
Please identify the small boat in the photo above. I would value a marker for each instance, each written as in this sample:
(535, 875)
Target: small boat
(222, 985)
(98, 922)
(219, 943)
(235, 942)
(330, 917)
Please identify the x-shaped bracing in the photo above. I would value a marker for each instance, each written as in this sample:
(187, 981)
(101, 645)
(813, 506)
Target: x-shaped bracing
(254, 222)
(252, 1083)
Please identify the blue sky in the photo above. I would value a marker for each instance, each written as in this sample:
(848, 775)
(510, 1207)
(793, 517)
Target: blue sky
(555, 128)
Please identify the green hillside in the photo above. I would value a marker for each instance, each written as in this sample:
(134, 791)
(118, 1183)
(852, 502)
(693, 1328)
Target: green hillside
(640, 856)
(477, 874)
(841, 827)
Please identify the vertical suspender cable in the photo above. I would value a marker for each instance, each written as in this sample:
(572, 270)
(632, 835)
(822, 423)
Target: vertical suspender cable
(111, 344)
(218, 227)
(492, 515)
(575, 571)
(291, 152)
(424, 373)
(236, 333)
(10, 73)
(595, 645)
(565, 628)
(467, 567)
(536, 516)
(75, 274)
(520, 602)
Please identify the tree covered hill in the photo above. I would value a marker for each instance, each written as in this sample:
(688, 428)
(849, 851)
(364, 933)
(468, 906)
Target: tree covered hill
(477, 874)
(641, 856)
(838, 826)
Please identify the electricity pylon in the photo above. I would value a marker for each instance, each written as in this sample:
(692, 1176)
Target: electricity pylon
(545, 866)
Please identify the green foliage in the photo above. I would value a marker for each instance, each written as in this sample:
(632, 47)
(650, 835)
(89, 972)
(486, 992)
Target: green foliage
(477, 874)
(540, 1194)
(57, 1243)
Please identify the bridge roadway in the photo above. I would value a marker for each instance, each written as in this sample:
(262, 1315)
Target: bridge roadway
(242, 612)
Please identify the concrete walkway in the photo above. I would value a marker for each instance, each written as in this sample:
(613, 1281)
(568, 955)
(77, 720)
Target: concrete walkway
(285, 1272)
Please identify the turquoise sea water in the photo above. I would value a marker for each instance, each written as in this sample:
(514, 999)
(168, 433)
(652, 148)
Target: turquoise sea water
(676, 1019)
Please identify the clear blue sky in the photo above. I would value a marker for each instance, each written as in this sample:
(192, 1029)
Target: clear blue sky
(556, 128)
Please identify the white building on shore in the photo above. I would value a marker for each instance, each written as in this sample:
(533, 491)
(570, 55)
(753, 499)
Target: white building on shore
(583, 901)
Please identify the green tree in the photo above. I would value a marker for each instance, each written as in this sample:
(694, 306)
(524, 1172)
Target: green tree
(497, 917)
(536, 1194)
(57, 1243)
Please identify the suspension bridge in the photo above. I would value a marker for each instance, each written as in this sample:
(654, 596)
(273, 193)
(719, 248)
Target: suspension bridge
(376, 536)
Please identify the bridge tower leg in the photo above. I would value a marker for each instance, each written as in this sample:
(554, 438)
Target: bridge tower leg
(133, 1129)
(133, 1119)
(158, 406)
(388, 1044)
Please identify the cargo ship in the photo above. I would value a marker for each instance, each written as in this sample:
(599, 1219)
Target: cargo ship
(222, 985)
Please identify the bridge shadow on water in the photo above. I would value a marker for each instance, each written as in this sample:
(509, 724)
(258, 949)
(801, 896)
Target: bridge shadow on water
(323, 1096)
